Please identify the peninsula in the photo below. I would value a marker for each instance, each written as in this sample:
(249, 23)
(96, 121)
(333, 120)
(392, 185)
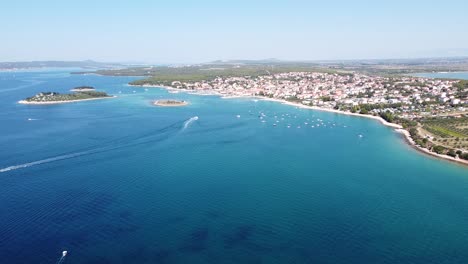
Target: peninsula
(58, 98)
(170, 102)
(431, 113)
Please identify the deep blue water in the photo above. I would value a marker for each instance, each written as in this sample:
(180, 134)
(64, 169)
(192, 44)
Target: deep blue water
(122, 181)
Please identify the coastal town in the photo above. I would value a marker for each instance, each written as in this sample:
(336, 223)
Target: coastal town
(432, 113)
(410, 97)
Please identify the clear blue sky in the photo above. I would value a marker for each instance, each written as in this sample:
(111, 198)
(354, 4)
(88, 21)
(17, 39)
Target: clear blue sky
(177, 31)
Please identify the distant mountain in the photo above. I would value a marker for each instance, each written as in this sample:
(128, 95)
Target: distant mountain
(263, 61)
(412, 61)
(58, 64)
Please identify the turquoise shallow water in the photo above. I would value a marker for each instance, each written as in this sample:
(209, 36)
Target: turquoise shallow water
(121, 181)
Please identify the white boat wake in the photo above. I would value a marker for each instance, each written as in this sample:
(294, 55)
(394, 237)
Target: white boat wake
(189, 122)
(25, 165)
(62, 258)
(126, 141)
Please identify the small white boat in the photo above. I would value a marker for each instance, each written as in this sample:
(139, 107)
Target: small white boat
(64, 253)
(238, 116)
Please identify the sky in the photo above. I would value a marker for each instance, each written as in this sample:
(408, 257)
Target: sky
(177, 31)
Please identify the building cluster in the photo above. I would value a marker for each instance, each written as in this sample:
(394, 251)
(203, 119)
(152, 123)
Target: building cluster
(408, 96)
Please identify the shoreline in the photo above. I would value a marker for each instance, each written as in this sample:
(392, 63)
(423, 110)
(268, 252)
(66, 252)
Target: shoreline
(62, 102)
(409, 140)
(397, 128)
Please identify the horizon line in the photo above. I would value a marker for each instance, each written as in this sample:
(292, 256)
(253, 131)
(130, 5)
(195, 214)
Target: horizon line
(124, 62)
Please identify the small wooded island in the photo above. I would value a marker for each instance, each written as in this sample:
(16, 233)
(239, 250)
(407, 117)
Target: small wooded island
(58, 98)
(170, 102)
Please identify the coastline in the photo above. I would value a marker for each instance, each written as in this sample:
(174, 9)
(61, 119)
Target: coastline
(397, 128)
(411, 143)
(62, 102)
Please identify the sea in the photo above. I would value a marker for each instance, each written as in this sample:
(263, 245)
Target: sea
(218, 181)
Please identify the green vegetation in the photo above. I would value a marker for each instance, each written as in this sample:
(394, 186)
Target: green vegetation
(387, 116)
(438, 149)
(166, 75)
(364, 112)
(54, 97)
(461, 85)
(407, 124)
(163, 75)
(464, 156)
(447, 127)
(448, 135)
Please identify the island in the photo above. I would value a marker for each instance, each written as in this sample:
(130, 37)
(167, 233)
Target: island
(58, 98)
(83, 89)
(170, 102)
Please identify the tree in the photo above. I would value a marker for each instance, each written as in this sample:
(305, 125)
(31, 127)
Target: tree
(464, 156)
(387, 116)
(438, 149)
(452, 153)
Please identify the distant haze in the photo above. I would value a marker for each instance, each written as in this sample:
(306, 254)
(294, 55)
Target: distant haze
(198, 31)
